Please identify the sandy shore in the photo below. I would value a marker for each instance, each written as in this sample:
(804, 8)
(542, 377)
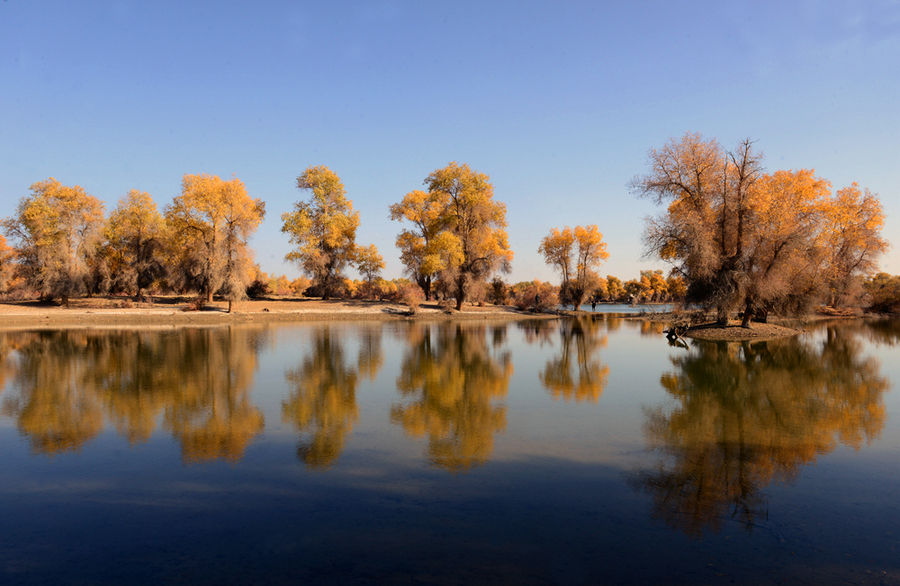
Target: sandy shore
(735, 333)
(109, 311)
(165, 310)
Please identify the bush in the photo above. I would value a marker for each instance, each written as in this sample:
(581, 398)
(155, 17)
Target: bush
(498, 292)
(258, 289)
(196, 304)
(536, 296)
(412, 296)
(884, 293)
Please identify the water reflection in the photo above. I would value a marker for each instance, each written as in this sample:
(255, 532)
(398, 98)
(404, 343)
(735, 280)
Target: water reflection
(68, 383)
(212, 417)
(577, 373)
(322, 402)
(884, 331)
(452, 387)
(752, 414)
(538, 331)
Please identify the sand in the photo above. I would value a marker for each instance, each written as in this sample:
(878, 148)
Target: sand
(164, 310)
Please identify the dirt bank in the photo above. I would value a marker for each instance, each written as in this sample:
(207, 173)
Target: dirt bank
(166, 310)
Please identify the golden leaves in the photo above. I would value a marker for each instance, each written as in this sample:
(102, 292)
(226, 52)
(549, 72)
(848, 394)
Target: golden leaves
(322, 229)
(745, 238)
(586, 243)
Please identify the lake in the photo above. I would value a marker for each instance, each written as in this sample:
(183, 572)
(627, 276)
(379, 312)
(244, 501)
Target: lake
(570, 451)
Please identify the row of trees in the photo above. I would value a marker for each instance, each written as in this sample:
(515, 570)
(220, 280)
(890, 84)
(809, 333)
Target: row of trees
(737, 238)
(65, 246)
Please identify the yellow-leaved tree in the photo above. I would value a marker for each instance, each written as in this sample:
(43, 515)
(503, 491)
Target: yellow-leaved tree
(369, 263)
(323, 230)
(854, 220)
(135, 235)
(426, 249)
(7, 264)
(575, 254)
(57, 232)
(459, 234)
(211, 222)
(743, 239)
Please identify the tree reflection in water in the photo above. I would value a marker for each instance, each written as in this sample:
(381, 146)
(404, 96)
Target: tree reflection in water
(322, 404)
(213, 418)
(452, 387)
(581, 339)
(752, 414)
(69, 382)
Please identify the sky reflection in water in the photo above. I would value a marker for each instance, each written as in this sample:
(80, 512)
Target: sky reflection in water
(572, 451)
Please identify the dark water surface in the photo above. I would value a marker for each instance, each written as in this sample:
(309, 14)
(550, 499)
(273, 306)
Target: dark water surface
(563, 452)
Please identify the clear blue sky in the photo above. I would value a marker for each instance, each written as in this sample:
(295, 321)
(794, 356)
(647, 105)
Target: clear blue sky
(558, 102)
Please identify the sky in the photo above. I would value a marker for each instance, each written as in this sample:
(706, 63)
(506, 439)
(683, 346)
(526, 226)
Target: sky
(558, 102)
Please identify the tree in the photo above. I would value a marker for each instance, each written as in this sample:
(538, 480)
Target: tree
(427, 249)
(782, 264)
(135, 235)
(656, 284)
(460, 236)
(535, 296)
(884, 293)
(746, 240)
(211, 222)
(7, 264)
(322, 229)
(57, 230)
(498, 292)
(676, 287)
(575, 253)
(854, 222)
(615, 288)
(704, 228)
(369, 264)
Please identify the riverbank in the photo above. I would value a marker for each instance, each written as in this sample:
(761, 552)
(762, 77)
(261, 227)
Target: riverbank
(180, 310)
(172, 310)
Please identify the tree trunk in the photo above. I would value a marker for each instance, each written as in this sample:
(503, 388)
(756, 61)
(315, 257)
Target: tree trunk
(721, 316)
(748, 314)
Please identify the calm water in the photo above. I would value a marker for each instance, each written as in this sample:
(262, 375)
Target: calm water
(562, 452)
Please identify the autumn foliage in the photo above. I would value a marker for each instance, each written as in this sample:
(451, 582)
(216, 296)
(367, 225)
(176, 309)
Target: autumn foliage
(575, 254)
(738, 239)
(458, 233)
(57, 230)
(751, 241)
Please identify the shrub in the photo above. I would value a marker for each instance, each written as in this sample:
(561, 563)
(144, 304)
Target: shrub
(536, 296)
(498, 292)
(884, 293)
(412, 296)
(257, 289)
(196, 304)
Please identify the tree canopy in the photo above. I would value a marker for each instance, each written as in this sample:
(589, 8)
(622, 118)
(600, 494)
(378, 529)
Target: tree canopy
(57, 231)
(575, 254)
(211, 222)
(744, 239)
(135, 236)
(459, 231)
(323, 229)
